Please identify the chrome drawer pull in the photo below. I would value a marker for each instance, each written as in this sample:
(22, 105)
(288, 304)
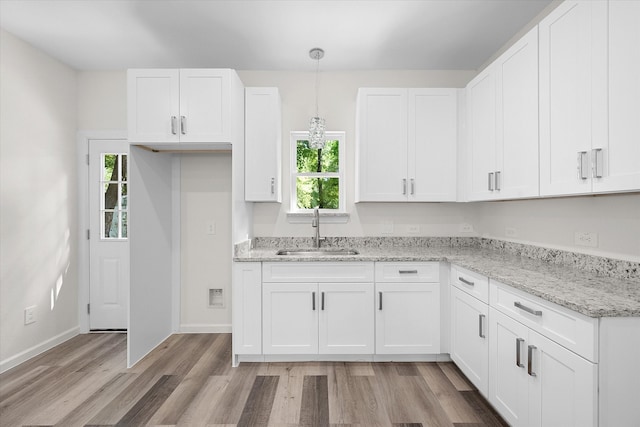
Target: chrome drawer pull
(321, 300)
(408, 271)
(480, 329)
(173, 125)
(313, 301)
(527, 309)
(183, 125)
(518, 341)
(466, 282)
(379, 300)
(530, 362)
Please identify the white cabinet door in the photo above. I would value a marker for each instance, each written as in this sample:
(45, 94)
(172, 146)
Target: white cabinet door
(205, 105)
(469, 342)
(481, 127)
(290, 318)
(562, 385)
(619, 158)
(263, 145)
(508, 384)
(381, 141)
(247, 308)
(153, 107)
(432, 144)
(517, 119)
(407, 318)
(572, 95)
(346, 318)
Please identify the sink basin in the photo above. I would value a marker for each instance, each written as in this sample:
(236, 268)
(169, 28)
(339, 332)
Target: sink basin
(316, 252)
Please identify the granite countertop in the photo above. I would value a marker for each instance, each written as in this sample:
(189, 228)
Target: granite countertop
(589, 293)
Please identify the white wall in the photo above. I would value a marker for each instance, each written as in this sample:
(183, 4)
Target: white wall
(206, 258)
(102, 100)
(38, 192)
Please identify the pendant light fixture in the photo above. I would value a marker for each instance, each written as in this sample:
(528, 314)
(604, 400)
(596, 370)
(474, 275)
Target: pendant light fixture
(317, 124)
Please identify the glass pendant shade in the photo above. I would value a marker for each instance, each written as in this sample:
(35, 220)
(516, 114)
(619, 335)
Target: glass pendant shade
(316, 132)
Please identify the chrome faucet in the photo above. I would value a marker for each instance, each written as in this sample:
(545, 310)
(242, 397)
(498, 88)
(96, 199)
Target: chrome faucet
(315, 222)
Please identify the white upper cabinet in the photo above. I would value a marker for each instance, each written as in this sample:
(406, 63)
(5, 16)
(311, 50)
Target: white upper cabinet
(406, 143)
(503, 125)
(619, 159)
(179, 106)
(263, 145)
(573, 118)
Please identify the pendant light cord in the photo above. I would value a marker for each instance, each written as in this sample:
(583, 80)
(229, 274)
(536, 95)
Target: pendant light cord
(317, 70)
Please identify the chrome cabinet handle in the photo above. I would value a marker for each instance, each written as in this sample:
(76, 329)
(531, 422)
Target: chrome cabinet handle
(173, 125)
(313, 301)
(404, 186)
(413, 186)
(530, 361)
(490, 181)
(480, 328)
(597, 154)
(321, 300)
(518, 341)
(527, 309)
(408, 271)
(379, 300)
(183, 125)
(582, 165)
(273, 185)
(465, 281)
(497, 175)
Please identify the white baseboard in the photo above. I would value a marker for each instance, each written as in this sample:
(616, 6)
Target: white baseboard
(205, 328)
(23, 356)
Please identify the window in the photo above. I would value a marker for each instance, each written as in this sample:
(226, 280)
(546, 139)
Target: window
(317, 176)
(113, 209)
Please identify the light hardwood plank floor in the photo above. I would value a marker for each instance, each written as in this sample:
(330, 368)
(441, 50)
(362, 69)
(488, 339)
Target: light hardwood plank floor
(188, 381)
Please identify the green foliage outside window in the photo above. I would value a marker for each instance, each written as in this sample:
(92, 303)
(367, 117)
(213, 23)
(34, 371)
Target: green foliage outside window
(320, 185)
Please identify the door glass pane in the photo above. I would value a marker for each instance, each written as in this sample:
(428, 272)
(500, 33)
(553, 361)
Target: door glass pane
(114, 196)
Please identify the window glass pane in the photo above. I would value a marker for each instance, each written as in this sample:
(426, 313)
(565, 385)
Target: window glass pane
(110, 167)
(123, 196)
(110, 195)
(308, 161)
(125, 168)
(321, 192)
(110, 225)
(124, 224)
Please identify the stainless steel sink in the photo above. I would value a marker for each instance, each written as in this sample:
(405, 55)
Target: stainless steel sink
(316, 252)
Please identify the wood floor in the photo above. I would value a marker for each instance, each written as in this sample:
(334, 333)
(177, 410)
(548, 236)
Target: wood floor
(188, 380)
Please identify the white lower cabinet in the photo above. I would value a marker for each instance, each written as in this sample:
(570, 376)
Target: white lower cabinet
(534, 381)
(469, 338)
(407, 308)
(312, 318)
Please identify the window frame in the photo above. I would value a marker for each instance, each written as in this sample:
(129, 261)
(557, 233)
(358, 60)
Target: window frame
(296, 136)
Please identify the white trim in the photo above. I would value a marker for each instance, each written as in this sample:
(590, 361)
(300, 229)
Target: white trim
(297, 135)
(27, 354)
(82, 150)
(442, 357)
(176, 255)
(205, 328)
(327, 217)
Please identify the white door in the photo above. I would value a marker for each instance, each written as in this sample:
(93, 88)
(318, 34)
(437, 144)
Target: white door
(508, 384)
(562, 385)
(433, 136)
(469, 343)
(108, 242)
(481, 104)
(290, 318)
(204, 105)
(381, 141)
(408, 318)
(346, 318)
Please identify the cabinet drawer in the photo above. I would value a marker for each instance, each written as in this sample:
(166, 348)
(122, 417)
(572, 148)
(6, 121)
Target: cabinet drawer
(290, 272)
(568, 328)
(472, 283)
(407, 272)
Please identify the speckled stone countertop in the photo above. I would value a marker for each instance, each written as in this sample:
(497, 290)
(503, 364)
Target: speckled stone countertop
(593, 286)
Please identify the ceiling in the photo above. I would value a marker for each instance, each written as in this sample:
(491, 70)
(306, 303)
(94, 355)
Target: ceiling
(268, 34)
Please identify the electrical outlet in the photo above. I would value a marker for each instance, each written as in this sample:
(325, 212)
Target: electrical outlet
(30, 315)
(211, 227)
(465, 228)
(413, 228)
(387, 227)
(586, 238)
(511, 232)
